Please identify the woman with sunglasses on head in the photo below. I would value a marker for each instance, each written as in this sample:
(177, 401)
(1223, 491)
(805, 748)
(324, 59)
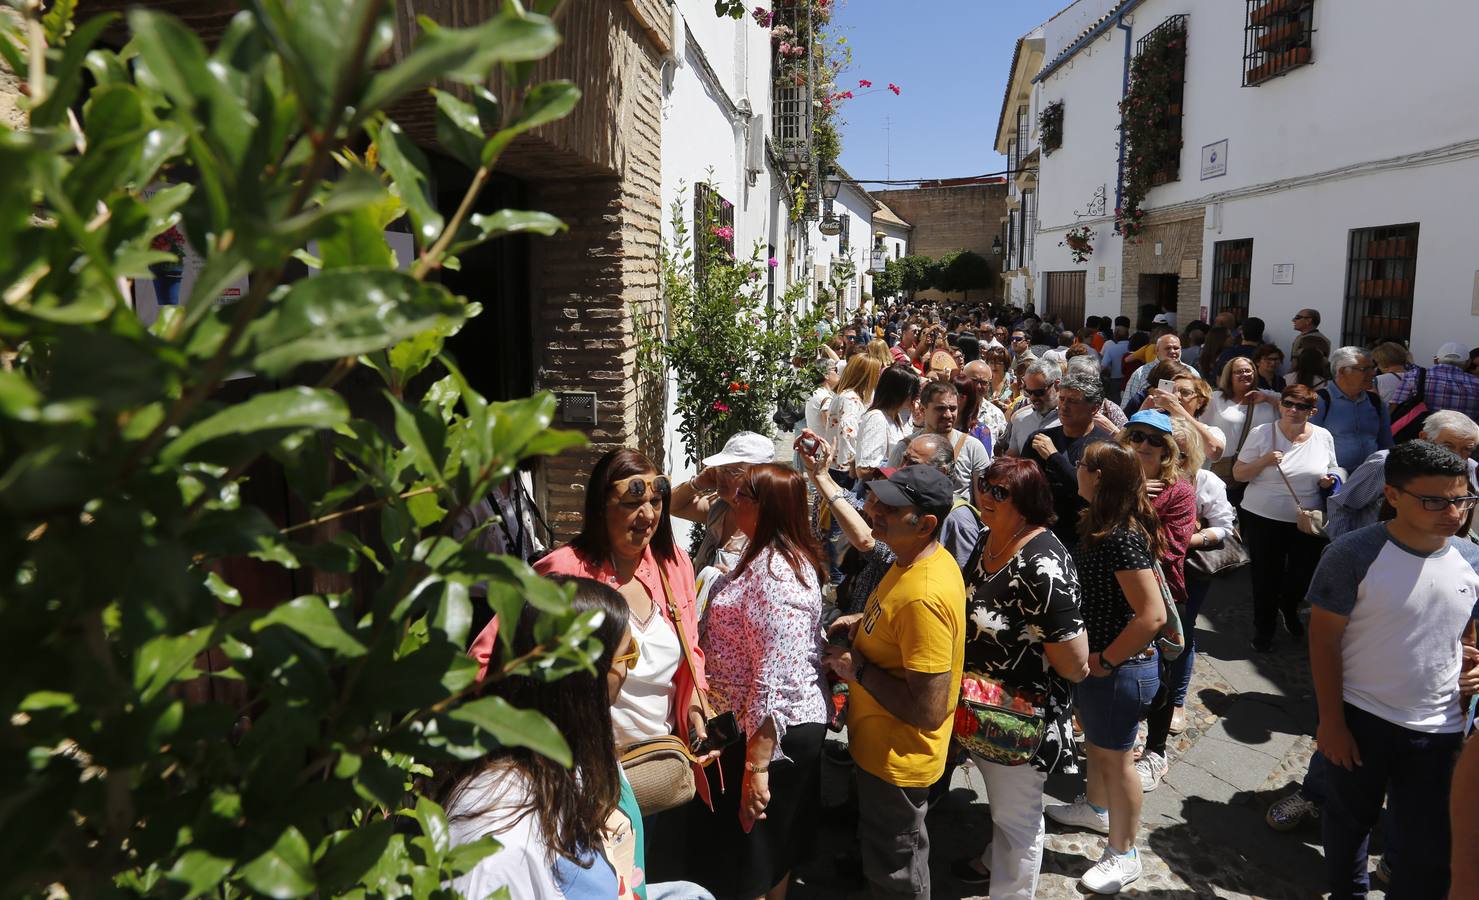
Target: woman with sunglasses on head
(1281, 557)
(626, 541)
(762, 643)
(1119, 541)
(1025, 633)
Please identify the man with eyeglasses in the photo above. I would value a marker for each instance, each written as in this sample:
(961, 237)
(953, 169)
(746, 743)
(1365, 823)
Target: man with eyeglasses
(1307, 327)
(1392, 605)
(1058, 448)
(1353, 412)
(1167, 349)
(1040, 387)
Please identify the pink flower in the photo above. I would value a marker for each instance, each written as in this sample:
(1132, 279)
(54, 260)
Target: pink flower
(864, 83)
(893, 87)
(721, 407)
(762, 16)
(772, 262)
(785, 48)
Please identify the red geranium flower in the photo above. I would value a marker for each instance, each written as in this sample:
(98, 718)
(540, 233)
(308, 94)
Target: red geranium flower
(864, 83)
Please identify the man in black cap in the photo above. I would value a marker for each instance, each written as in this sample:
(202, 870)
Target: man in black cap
(903, 673)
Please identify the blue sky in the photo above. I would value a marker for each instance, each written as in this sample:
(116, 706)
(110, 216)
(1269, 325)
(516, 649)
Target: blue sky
(950, 59)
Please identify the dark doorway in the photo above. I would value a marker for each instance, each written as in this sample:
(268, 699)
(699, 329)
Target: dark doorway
(495, 351)
(1065, 295)
(1159, 291)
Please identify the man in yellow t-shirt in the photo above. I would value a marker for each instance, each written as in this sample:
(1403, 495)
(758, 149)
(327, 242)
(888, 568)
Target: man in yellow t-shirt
(903, 675)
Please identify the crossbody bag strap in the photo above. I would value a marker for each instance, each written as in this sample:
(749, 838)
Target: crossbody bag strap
(1247, 425)
(958, 444)
(667, 590)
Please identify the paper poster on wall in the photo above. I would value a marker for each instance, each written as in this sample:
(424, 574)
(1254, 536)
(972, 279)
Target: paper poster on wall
(1284, 273)
(1214, 160)
(173, 281)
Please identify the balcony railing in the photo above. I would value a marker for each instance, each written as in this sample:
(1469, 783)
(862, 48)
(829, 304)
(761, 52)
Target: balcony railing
(792, 80)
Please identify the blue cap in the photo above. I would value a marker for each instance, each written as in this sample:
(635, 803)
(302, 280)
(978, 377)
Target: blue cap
(1152, 418)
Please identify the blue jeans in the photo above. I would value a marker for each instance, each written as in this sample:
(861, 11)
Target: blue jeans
(1110, 708)
(834, 533)
(1412, 771)
(1178, 670)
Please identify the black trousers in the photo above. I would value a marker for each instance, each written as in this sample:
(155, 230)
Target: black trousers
(1282, 561)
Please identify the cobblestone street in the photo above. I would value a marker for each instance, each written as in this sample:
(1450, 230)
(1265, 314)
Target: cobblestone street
(1203, 833)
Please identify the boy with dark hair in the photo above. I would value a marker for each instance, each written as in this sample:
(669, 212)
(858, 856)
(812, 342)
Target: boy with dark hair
(1390, 606)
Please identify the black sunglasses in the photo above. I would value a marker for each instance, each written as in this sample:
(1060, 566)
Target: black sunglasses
(1302, 407)
(1140, 437)
(995, 491)
(1036, 392)
(1439, 504)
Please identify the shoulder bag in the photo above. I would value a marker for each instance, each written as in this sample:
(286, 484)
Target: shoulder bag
(1409, 415)
(1308, 521)
(660, 769)
(1171, 639)
(1223, 468)
(1209, 562)
(998, 723)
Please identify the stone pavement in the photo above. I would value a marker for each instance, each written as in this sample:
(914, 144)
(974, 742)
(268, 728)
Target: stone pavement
(1202, 832)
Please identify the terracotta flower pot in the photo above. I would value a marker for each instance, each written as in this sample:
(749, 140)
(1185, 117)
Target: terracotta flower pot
(1299, 56)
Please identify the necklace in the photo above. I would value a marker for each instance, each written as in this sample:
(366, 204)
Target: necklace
(639, 623)
(991, 556)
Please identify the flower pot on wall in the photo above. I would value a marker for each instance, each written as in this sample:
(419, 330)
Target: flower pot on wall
(1299, 56)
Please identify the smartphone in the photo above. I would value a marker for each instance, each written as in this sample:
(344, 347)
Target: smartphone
(1168, 385)
(838, 637)
(723, 730)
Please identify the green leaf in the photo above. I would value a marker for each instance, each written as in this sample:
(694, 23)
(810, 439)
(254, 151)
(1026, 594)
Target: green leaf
(199, 871)
(543, 103)
(311, 617)
(57, 23)
(407, 167)
(68, 72)
(433, 824)
(463, 857)
(424, 435)
(160, 661)
(462, 54)
(348, 312)
(292, 409)
(351, 854)
(357, 240)
(459, 128)
(514, 727)
(285, 870)
(409, 357)
(481, 228)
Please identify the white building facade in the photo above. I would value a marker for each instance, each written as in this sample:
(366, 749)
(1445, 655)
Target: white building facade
(1017, 140)
(841, 261)
(1301, 181)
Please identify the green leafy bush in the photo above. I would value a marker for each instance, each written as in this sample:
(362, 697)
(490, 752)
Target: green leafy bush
(734, 356)
(136, 536)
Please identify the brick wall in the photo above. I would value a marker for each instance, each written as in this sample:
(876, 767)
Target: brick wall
(1180, 236)
(964, 217)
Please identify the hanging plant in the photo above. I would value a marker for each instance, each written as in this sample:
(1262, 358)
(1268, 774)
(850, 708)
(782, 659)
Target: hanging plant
(1150, 123)
(1050, 123)
(1080, 243)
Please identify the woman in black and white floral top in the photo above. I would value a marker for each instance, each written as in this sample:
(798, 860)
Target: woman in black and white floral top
(1024, 631)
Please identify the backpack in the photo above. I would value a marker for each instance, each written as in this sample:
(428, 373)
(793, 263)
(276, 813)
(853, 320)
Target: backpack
(1409, 416)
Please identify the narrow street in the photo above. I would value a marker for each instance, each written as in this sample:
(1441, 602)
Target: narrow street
(1248, 737)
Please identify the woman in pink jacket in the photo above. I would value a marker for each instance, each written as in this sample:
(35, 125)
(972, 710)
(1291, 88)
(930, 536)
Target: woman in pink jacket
(626, 541)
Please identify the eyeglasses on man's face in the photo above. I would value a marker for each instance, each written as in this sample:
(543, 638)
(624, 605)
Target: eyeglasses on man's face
(1036, 392)
(1439, 504)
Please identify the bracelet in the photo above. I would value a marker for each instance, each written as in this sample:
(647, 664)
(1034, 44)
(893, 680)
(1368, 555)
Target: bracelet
(758, 770)
(1104, 663)
(840, 494)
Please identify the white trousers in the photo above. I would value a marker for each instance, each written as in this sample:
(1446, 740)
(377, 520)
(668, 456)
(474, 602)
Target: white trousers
(1014, 855)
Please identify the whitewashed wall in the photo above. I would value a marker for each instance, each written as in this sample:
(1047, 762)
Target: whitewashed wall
(853, 203)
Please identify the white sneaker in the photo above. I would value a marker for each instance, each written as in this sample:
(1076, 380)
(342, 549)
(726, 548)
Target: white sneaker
(1152, 768)
(1079, 814)
(1111, 873)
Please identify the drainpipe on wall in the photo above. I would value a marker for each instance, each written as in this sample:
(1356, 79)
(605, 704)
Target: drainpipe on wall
(1119, 178)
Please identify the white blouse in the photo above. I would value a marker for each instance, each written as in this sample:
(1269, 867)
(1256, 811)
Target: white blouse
(640, 712)
(843, 417)
(877, 434)
(1223, 413)
(1305, 463)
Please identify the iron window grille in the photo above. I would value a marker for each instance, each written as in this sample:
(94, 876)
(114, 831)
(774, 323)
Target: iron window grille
(1380, 281)
(791, 94)
(1012, 158)
(1277, 38)
(1169, 164)
(1050, 127)
(843, 221)
(1012, 239)
(1022, 130)
(1029, 226)
(713, 219)
(1232, 277)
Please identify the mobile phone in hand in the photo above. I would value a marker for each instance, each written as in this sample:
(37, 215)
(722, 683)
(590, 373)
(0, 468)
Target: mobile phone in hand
(723, 730)
(1168, 385)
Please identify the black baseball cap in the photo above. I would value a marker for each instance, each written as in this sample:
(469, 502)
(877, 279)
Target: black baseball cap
(923, 487)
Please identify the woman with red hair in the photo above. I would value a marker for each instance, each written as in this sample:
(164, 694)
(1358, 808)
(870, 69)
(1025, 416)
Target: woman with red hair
(1026, 637)
(762, 645)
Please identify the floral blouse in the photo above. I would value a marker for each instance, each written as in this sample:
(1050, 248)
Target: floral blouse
(1010, 614)
(843, 418)
(762, 646)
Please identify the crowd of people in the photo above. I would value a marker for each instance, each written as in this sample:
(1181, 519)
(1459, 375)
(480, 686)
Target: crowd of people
(993, 542)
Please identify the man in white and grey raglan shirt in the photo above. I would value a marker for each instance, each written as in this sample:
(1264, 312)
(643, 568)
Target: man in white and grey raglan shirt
(1392, 605)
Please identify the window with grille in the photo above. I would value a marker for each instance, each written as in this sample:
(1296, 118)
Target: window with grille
(1022, 129)
(1278, 37)
(1029, 226)
(713, 227)
(1012, 158)
(1012, 220)
(770, 278)
(1232, 276)
(844, 220)
(1379, 285)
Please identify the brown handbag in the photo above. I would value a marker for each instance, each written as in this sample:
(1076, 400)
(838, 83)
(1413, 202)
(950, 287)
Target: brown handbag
(1223, 468)
(660, 770)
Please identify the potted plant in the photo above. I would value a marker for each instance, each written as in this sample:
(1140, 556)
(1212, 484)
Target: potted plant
(1080, 243)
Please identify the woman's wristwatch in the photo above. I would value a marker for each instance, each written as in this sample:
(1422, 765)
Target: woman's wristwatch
(757, 770)
(836, 495)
